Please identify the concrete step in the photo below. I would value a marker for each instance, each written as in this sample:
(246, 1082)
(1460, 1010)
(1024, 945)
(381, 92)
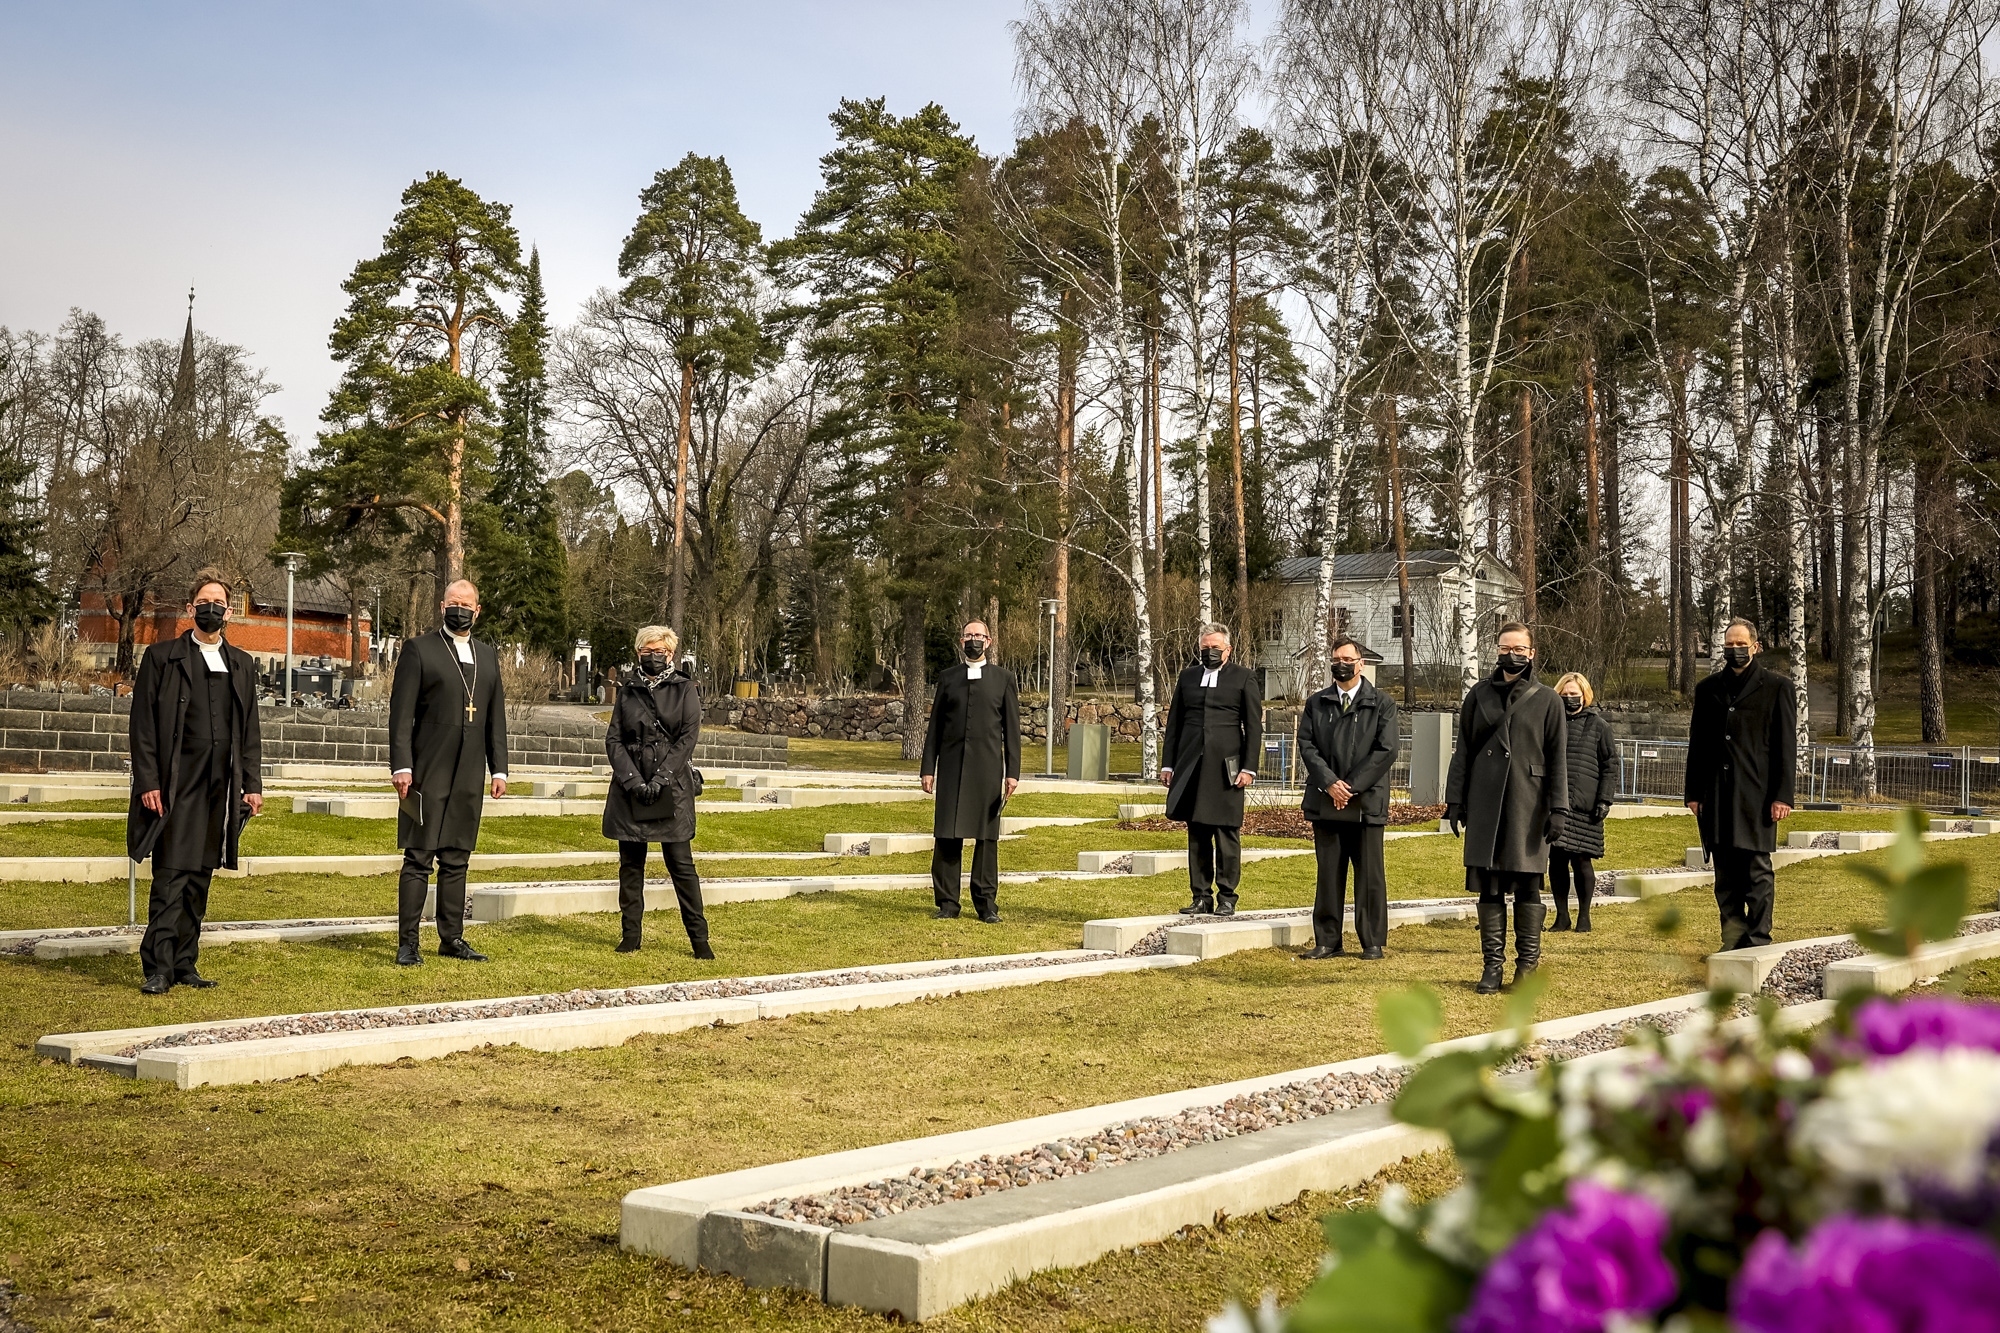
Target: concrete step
(94, 946)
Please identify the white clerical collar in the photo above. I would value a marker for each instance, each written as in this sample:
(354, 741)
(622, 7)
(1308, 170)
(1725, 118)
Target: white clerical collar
(972, 669)
(1208, 675)
(212, 654)
(463, 643)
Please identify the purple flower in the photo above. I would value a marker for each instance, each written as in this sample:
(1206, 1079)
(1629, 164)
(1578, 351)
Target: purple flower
(1576, 1267)
(1872, 1275)
(1885, 1028)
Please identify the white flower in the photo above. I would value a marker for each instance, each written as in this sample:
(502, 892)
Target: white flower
(1450, 1231)
(1235, 1319)
(1926, 1115)
(1706, 1143)
(1792, 1065)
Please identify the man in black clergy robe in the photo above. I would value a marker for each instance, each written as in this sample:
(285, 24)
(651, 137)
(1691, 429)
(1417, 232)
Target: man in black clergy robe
(972, 762)
(1742, 766)
(1215, 736)
(197, 763)
(447, 728)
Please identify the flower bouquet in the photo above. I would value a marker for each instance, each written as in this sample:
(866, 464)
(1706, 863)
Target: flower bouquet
(1744, 1173)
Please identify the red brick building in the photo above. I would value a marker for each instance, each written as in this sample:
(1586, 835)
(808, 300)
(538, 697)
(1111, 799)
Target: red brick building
(256, 625)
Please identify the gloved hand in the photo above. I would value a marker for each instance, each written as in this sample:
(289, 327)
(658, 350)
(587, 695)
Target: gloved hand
(1454, 815)
(1553, 828)
(651, 791)
(1599, 811)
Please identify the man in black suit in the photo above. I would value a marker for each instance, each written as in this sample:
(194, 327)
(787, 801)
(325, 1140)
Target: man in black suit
(197, 766)
(1347, 742)
(1742, 767)
(1215, 734)
(447, 728)
(972, 762)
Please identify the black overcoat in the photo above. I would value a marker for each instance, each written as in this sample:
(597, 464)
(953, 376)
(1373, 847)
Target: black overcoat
(1357, 747)
(1593, 783)
(1204, 727)
(652, 733)
(448, 753)
(1742, 755)
(159, 715)
(1517, 771)
(973, 743)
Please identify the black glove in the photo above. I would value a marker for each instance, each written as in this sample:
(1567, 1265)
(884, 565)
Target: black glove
(1599, 811)
(1553, 828)
(1454, 815)
(651, 791)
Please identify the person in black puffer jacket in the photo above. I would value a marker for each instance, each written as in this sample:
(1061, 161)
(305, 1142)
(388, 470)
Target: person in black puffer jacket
(1593, 783)
(650, 742)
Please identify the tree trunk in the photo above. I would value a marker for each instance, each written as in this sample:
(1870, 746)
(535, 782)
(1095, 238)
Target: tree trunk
(1159, 507)
(916, 698)
(1675, 555)
(354, 659)
(1829, 586)
(1059, 673)
(677, 580)
(1614, 534)
(1684, 594)
(1402, 560)
(1927, 497)
(454, 501)
(1594, 574)
(1525, 524)
(1236, 463)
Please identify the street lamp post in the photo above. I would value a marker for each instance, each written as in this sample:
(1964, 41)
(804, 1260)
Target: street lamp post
(291, 568)
(1051, 604)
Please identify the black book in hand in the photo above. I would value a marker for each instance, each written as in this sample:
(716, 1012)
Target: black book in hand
(1232, 767)
(413, 806)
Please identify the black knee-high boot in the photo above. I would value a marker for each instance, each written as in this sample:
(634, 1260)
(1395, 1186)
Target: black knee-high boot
(1492, 945)
(1529, 913)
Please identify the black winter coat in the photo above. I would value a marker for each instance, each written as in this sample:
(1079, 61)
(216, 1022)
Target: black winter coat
(652, 733)
(972, 745)
(1357, 747)
(1511, 768)
(1205, 727)
(159, 716)
(1742, 756)
(1593, 783)
(448, 752)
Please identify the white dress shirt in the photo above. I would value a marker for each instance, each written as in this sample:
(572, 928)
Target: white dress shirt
(1347, 696)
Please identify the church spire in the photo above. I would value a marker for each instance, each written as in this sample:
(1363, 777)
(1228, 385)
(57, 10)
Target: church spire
(183, 400)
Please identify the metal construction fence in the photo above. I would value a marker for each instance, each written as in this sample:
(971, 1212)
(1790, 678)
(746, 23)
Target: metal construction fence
(1937, 777)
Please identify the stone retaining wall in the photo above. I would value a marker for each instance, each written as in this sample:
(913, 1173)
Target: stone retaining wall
(44, 732)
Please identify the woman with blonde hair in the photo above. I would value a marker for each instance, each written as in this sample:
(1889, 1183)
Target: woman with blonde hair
(650, 742)
(1593, 784)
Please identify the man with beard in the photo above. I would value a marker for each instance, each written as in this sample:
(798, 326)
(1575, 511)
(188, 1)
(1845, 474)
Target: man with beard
(1508, 795)
(197, 768)
(1741, 771)
(972, 763)
(447, 728)
(1215, 733)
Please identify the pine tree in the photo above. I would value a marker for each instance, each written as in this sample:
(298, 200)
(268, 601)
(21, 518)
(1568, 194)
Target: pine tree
(24, 596)
(518, 555)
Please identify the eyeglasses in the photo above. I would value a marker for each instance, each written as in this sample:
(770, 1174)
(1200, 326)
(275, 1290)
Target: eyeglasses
(223, 605)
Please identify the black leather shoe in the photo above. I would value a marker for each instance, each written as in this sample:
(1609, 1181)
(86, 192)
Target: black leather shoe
(407, 956)
(627, 945)
(196, 980)
(990, 918)
(1323, 951)
(1225, 907)
(1371, 955)
(944, 914)
(157, 984)
(701, 950)
(462, 951)
(1199, 907)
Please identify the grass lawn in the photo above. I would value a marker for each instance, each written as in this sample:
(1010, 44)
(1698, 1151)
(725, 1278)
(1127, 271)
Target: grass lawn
(810, 752)
(481, 1191)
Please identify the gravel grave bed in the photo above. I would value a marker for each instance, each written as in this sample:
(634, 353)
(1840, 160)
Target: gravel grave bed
(1154, 941)
(26, 945)
(1797, 977)
(306, 1025)
(1155, 1136)
(1608, 880)
(1283, 822)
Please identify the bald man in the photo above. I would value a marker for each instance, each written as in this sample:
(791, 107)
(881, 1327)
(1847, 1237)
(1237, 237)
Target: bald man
(447, 730)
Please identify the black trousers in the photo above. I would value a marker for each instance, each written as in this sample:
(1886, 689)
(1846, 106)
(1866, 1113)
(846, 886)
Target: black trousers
(679, 859)
(1565, 866)
(947, 860)
(451, 867)
(1496, 886)
(1215, 860)
(1745, 892)
(1338, 845)
(174, 913)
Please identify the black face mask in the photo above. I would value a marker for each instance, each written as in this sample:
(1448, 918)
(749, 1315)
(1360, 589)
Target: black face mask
(654, 664)
(1344, 671)
(1572, 703)
(1737, 655)
(1211, 658)
(458, 619)
(208, 616)
(1513, 663)
(974, 649)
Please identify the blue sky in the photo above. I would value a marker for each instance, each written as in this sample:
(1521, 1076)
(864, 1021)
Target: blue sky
(256, 151)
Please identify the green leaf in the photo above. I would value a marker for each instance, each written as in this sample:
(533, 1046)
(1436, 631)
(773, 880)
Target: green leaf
(1921, 900)
(1439, 1088)
(1384, 1282)
(1517, 1187)
(1411, 1018)
(1527, 992)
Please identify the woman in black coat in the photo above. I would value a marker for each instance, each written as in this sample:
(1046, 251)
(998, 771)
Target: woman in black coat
(650, 742)
(1593, 785)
